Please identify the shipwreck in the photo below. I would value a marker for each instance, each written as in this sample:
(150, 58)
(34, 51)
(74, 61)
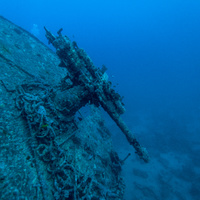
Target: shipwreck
(48, 149)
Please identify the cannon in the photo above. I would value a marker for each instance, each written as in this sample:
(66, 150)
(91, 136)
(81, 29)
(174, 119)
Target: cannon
(91, 85)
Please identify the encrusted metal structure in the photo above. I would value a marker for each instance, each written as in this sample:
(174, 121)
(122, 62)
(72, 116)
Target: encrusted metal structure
(93, 84)
(48, 149)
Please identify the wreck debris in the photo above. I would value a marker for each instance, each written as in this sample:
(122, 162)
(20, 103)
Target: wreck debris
(63, 159)
(95, 88)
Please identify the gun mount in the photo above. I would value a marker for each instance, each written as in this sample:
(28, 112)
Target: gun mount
(90, 85)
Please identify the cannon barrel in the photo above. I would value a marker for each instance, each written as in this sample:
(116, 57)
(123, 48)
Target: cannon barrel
(95, 81)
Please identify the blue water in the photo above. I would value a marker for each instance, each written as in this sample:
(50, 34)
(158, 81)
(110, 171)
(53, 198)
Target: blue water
(152, 52)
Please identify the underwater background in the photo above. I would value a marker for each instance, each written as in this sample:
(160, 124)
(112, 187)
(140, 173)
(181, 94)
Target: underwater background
(152, 52)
